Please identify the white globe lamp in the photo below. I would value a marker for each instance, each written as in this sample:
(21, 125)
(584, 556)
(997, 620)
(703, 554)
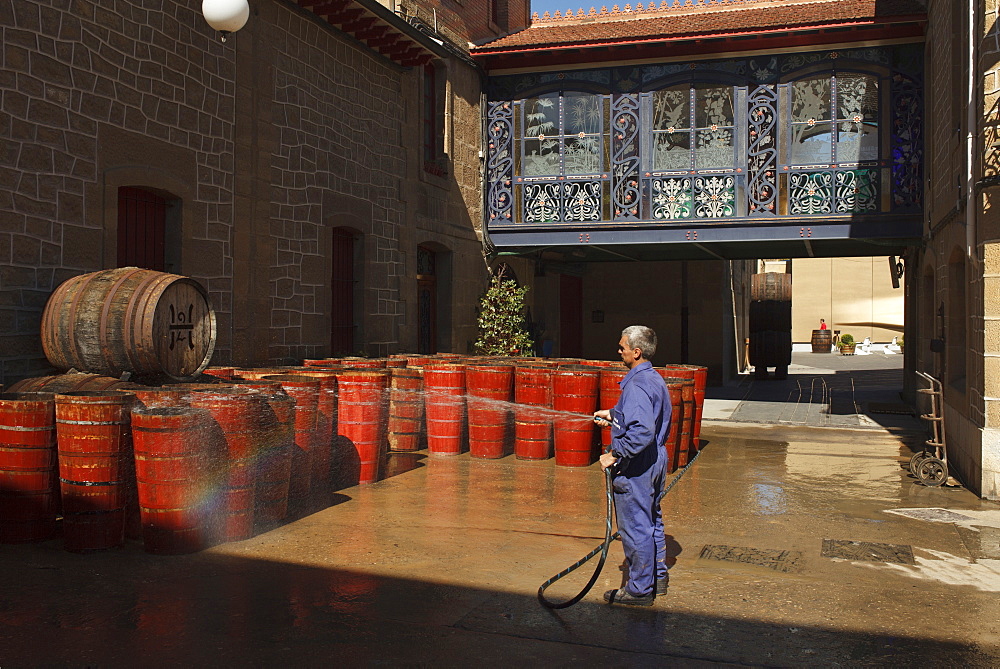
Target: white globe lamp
(226, 16)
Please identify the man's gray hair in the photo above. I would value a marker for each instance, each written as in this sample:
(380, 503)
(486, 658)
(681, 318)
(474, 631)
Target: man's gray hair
(641, 337)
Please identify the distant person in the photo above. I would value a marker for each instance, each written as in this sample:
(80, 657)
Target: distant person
(822, 324)
(639, 426)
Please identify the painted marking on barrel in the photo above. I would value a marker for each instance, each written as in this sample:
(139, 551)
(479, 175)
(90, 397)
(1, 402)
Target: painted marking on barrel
(180, 323)
(867, 551)
(778, 560)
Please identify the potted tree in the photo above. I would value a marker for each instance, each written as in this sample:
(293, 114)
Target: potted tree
(847, 344)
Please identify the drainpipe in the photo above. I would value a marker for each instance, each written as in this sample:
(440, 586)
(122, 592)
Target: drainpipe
(971, 136)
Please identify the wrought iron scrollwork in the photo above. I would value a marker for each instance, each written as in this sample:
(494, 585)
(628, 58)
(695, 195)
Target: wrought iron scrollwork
(857, 191)
(672, 198)
(810, 193)
(582, 201)
(625, 157)
(542, 202)
(714, 196)
(573, 201)
(762, 151)
(500, 162)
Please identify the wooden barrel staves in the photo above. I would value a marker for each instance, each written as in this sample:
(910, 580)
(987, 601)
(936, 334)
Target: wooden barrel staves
(130, 320)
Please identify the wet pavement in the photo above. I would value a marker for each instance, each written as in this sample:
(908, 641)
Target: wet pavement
(790, 545)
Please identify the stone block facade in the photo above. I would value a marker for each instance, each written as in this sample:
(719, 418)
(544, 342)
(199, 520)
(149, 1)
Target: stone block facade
(952, 281)
(261, 145)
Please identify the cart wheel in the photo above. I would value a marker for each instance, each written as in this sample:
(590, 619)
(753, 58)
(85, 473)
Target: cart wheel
(932, 472)
(915, 461)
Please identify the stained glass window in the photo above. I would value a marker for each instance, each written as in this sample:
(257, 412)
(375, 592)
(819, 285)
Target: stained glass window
(818, 116)
(563, 134)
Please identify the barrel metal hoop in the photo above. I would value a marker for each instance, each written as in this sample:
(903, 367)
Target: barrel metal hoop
(92, 513)
(90, 483)
(18, 428)
(90, 422)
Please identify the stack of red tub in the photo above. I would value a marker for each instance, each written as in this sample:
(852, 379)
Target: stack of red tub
(274, 462)
(533, 426)
(609, 394)
(235, 416)
(362, 416)
(96, 468)
(574, 391)
(305, 466)
(29, 479)
(326, 423)
(406, 409)
(490, 390)
(699, 375)
(444, 407)
(679, 440)
(175, 472)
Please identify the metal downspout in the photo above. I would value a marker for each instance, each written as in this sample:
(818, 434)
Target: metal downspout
(972, 133)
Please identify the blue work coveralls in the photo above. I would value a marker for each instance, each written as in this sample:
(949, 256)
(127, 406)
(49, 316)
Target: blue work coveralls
(639, 426)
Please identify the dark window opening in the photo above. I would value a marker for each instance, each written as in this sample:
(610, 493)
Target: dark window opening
(433, 123)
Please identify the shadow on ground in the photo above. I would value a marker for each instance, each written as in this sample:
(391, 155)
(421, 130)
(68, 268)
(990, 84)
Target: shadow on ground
(210, 608)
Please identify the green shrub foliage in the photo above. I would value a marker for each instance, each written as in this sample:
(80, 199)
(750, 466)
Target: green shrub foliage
(501, 320)
(846, 340)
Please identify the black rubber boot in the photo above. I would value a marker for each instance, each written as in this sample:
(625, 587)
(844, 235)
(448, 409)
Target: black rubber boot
(623, 596)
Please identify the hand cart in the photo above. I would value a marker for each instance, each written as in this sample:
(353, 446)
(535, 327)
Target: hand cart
(930, 465)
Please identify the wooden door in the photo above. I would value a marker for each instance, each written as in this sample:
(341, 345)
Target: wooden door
(570, 316)
(142, 223)
(342, 290)
(427, 315)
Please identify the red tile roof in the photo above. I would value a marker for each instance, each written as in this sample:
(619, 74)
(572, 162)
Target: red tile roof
(698, 18)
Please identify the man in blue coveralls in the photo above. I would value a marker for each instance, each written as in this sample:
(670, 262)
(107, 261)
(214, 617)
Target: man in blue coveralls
(639, 426)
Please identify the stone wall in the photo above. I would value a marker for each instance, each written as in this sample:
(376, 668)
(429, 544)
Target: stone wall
(262, 144)
(95, 96)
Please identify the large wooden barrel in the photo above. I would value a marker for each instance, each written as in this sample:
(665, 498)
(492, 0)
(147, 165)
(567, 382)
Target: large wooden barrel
(822, 341)
(130, 320)
(771, 286)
